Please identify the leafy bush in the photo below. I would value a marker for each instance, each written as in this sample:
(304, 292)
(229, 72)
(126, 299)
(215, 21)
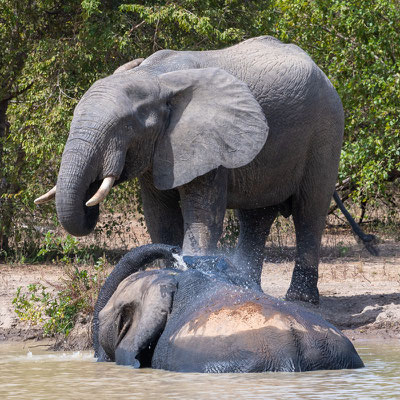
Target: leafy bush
(55, 311)
(55, 314)
(53, 51)
(63, 249)
(230, 236)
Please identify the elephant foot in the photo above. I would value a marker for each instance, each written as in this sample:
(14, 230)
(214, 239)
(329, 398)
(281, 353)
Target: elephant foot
(300, 293)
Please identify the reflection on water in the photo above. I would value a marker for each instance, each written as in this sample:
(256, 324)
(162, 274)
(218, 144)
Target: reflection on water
(34, 373)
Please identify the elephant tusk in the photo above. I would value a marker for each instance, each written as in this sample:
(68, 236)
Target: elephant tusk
(103, 191)
(46, 197)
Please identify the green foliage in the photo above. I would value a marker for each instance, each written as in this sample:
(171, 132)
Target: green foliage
(55, 312)
(356, 44)
(53, 51)
(90, 7)
(197, 25)
(63, 249)
(343, 250)
(73, 46)
(54, 248)
(230, 236)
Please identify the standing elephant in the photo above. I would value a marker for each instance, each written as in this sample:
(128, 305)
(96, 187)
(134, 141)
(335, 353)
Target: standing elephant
(193, 127)
(205, 319)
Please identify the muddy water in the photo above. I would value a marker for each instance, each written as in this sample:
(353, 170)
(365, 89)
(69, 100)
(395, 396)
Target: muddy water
(34, 373)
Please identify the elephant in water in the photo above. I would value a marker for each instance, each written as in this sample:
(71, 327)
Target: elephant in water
(201, 317)
(255, 127)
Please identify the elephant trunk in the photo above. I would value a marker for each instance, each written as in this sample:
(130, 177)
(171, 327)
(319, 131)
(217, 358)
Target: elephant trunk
(132, 262)
(76, 184)
(94, 153)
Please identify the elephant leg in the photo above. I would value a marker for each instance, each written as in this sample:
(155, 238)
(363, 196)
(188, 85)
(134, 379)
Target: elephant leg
(162, 214)
(203, 203)
(309, 214)
(255, 225)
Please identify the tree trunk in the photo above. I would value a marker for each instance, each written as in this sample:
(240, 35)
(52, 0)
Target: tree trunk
(5, 204)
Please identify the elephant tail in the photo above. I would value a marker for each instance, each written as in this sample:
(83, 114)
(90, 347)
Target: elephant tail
(135, 260)
(368, 240)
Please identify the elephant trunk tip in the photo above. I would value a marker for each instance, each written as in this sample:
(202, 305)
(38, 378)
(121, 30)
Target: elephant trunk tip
(86, 224)
(73, 214)
(77, 220)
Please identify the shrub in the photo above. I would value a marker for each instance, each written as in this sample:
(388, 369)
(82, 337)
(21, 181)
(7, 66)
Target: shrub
(55, 310)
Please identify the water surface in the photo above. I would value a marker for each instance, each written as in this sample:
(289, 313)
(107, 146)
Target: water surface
(34, 373)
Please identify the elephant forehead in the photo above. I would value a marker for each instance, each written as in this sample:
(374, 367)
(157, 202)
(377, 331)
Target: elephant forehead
(127, 292)
(233, 320)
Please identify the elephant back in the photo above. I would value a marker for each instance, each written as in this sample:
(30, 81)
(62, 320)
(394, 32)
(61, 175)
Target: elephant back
(251, 332)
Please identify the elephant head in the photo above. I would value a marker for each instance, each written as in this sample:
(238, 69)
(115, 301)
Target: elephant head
(129, 264)
(179, 125)
(135, 316)
(204, 319)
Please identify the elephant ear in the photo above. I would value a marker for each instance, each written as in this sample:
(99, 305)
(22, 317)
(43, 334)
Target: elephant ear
(214, 121)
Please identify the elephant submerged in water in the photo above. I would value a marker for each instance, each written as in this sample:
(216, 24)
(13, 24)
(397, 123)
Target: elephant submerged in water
(204, 318)
(255, 127)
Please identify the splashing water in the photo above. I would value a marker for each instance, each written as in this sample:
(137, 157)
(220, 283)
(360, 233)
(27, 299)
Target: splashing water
(179, 263)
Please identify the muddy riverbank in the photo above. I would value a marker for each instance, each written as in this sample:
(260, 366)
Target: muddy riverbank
(360, 293)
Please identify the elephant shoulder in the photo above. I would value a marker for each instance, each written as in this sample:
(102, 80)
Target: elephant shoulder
(159, 57)
(170, 60)
(264, 39)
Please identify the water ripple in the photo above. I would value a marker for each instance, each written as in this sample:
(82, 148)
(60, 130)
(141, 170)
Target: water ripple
(38, 374)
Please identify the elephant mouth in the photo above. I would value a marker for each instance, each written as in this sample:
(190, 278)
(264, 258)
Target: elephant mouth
(92, 189)
(91, 214)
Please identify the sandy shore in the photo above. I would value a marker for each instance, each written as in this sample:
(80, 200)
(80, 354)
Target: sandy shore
(360, 294)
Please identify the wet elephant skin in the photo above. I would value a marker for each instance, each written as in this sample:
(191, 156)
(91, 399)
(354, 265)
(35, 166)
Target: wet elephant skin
(206, 319)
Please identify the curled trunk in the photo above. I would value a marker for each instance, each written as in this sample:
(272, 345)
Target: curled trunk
(76, 184)
(132, 262)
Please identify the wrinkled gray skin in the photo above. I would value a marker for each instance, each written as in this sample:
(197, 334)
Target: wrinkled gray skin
(205, 319)
(255, 127)
(129, 264)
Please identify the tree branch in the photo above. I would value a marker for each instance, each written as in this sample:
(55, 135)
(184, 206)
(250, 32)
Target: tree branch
(17, 93)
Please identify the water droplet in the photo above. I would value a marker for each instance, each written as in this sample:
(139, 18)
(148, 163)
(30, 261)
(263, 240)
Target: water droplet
(179, 263)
